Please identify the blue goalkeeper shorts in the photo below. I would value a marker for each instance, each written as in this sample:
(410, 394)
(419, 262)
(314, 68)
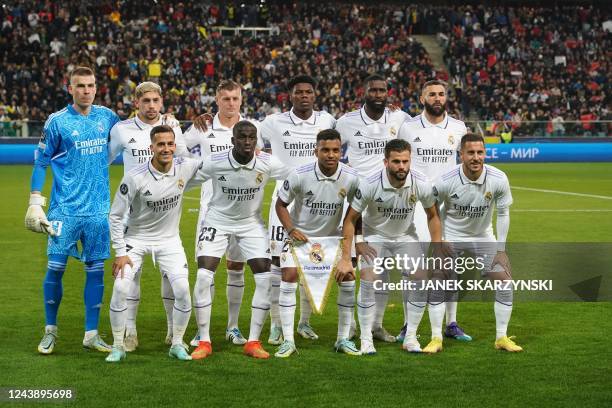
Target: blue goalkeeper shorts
(93, 233)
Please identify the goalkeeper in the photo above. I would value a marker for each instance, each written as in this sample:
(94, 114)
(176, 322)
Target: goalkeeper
(74, 144)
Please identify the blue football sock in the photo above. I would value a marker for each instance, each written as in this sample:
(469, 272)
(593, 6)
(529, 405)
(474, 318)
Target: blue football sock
(52, 287)
(94, 291)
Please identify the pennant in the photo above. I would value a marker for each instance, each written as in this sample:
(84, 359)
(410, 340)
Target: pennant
(316, 264)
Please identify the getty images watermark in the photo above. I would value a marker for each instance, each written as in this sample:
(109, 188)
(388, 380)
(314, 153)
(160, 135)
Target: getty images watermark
(453, 280)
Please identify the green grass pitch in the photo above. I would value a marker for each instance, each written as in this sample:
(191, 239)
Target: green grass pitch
(566, 360)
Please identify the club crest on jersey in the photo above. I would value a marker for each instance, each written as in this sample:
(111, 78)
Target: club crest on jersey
(488, 196)
(100, 127)
(412, 199)
(393, 131)
(259, 178)
(451, 140)
(181, 183)
(283, 257)
(342, 193)
(316, 253)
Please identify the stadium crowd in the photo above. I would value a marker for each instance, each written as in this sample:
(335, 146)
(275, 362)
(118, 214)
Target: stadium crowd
(548, 65)
(531, 64)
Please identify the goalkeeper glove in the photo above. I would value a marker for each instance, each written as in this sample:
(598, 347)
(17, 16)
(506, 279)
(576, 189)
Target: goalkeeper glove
(35, 219)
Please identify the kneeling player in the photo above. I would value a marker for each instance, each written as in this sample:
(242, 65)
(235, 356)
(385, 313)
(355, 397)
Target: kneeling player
(151, 197)
(238, 177)
(469, 193)
(318, 191)
(387, 200)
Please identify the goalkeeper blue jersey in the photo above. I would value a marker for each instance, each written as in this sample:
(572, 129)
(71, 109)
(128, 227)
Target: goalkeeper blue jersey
(76, 147)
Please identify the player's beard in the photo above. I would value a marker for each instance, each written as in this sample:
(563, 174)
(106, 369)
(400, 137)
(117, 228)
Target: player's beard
(399, 176)
(435, 110)
(376, 107)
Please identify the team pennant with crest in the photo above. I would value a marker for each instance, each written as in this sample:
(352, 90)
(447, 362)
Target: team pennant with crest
(316, 263)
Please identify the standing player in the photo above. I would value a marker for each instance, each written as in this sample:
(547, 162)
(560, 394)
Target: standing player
(318, 191)
(202, 145)
(74, 143)
(132, 139)
(469, 193)
(239, 177)
(387, 200)
(292, 137)
(434, 137)
(365, 133)
(150, 197)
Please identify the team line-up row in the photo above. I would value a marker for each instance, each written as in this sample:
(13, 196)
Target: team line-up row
(401, 175)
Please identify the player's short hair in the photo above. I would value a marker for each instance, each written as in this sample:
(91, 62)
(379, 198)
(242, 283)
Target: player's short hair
(396, 145)
(434, 82)
(301, 79)
(471, 137)
(241, 126)
(161, 129)
(145, 87)
(228, 85)
(81, 71)
(328, 134)
(374, 77)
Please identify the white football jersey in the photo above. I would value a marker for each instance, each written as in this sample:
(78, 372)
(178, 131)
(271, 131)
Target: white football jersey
(132, 138)
(152, 201)
(468, 205)
(292, 139)
(238, 189)
(366, 138)
(387, 211)
(318, 199)
(434, 147)
(217, 139)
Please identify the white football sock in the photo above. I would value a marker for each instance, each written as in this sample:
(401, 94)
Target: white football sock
(451, 312)
(381, 297)
(133, 301)
(182, 309)
(346, 308)
(168, 299)
(305, 309)
(118, 310)
(415, 307)
(365, 309)
(260, 307)
(405, 293)
(286, 303)
(235, 292)
(202, 302)
(274, 295)
(503, 311)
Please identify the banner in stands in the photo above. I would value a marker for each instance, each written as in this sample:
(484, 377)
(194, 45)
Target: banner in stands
(496, 153)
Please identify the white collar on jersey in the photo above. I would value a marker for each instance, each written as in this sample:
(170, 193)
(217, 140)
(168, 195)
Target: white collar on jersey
(216, 123)
(322, 177)
(465, 180)
(298, 121)
(249, 166)
(386, 184)
(142, 125)
(427, 124)
(368, 120)
(158, 175)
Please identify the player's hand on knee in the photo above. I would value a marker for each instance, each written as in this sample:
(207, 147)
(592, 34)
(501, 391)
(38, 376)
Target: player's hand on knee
(203, 121)
(170, 120)
(501, 259)
(344, 269)
(366, 251)
(119, 265)
(35, 219)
